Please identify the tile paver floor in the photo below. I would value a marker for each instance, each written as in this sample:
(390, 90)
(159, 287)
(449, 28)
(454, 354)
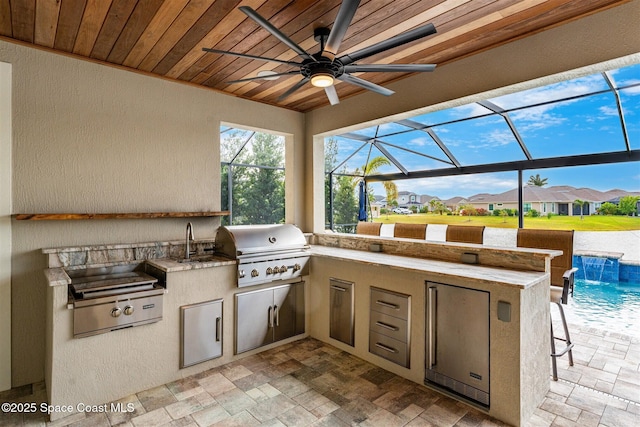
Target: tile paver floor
(310, 383)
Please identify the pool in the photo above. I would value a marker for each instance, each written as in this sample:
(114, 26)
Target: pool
(612, 306)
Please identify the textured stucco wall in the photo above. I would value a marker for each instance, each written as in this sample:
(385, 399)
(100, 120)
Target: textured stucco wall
(597, 38)
(5, 226)
(92, 138)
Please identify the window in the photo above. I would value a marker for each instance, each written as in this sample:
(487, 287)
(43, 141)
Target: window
(252, 176)
(490, 206)
(527, 207)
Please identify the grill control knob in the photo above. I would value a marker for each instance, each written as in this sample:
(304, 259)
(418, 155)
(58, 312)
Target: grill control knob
(297, 267)
(128, 310)
(116, 311)
(269, 270)
(276, 270)
(241, 274)
(254, 273)
(283, 269)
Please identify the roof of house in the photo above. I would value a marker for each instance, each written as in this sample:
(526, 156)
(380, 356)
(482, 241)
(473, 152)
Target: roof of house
(558, 194)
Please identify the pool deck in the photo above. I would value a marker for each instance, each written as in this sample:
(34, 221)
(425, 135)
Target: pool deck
(603, 386)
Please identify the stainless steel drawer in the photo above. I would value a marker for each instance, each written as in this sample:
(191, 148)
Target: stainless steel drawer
(388, 348)
(390, 326)
(390, 303)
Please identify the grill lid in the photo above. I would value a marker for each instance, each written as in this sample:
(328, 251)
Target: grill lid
(242, 240)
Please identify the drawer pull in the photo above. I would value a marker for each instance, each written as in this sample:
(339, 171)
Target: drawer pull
(387, 304)
(338, 288)
(387, 326)
(385, 348)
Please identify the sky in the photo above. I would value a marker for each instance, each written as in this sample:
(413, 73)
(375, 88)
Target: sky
(574, 117)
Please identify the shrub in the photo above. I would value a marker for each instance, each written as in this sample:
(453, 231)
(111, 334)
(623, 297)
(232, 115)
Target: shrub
(497, 212)
(609, 208)
(550, 215)
(482, 212)
(384, 211)
(532, 213)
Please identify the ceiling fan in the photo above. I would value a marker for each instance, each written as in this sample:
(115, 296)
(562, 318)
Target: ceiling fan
(325, 67)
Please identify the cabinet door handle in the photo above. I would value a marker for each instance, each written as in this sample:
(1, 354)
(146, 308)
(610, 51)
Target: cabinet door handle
(386, 348)
(270, 316)
(432, 303)
(276, 313)
(338, 288)
(218, 331)
(387, 304)
(387, 326)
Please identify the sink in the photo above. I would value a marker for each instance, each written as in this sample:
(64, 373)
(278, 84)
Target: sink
(198, 258)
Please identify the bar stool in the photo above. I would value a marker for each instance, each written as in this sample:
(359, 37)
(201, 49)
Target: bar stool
(562, 277)
(368, 228)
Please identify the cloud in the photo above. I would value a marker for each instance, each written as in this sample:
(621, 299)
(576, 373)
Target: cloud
(605, 110)
(460, 185)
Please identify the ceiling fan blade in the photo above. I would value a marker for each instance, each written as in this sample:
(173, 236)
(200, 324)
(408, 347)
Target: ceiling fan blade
(340, 26)
(399, 40)
(382, 68)
(332, 95)
(244, 55)
(275, 32)
(348, 78)
(267, 77)
(293, 88)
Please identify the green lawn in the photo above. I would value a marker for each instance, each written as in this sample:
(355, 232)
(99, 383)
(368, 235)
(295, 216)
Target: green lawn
(589, 223)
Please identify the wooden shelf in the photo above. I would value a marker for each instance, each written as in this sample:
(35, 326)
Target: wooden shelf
(142, 215)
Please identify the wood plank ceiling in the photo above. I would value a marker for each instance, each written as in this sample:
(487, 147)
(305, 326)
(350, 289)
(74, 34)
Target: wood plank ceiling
(166, 38)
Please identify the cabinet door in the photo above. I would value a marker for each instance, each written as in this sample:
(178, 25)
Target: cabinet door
(341, 314)
(284, 310)
(254, 314)
(201, 332)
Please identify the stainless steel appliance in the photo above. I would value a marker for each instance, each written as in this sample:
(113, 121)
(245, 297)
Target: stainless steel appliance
(201, 337)
(265, 253)
(110, 298)
(264, 316)
(457, 353)
(341, 311)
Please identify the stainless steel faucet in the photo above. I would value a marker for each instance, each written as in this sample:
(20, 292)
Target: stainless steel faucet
(187, 249)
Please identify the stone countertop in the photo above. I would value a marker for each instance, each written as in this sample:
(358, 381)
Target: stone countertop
(170, 265)
(512, 278)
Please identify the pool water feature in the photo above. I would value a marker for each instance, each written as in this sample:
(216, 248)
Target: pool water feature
(611, 306)
(593, 267)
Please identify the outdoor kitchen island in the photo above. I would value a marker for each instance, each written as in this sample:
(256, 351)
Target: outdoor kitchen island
(518, 309)
(107, 367)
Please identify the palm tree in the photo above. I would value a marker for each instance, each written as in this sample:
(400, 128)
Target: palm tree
(537, 181)
(582, 203)
(372, 166)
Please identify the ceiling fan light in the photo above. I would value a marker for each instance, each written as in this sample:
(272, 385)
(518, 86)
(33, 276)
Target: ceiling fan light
(322, 80)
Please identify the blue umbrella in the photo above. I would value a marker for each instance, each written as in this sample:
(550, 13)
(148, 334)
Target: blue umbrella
(362, 203)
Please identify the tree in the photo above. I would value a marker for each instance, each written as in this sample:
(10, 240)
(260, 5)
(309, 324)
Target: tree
(260, 191)
(629, 205)
(345, 205)
(537, 181)
(468, 210)
(330, 161)
(372, 166)
(608, 208)
(437, 206)
(582, 204)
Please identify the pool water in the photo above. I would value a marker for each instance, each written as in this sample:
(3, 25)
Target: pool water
(609, 306)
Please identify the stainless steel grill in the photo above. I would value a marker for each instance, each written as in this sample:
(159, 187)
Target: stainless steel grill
(265, 253)
(110, 298)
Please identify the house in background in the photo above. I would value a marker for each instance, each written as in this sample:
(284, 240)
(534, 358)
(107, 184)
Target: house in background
(559, 200)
